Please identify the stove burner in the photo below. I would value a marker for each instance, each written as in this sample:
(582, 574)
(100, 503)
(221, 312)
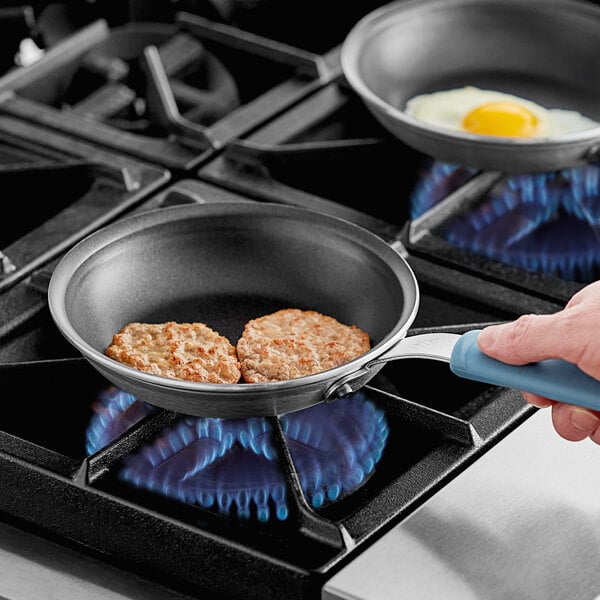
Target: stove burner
(112, 84)
(436, 181)
(115, 412)
(547, 223)
(231, 465)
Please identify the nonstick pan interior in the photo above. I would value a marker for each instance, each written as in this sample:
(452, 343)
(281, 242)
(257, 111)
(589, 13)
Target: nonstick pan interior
(224, 265)
(544, 51)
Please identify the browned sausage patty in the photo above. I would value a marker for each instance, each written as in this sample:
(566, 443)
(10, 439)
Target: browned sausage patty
(293, 343)
(191, 351)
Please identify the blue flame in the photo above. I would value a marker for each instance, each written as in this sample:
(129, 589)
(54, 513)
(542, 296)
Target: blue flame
(115, 411)
(547, 223)
(437, 180)
(231, 465)
(581, 196)
(333, 450)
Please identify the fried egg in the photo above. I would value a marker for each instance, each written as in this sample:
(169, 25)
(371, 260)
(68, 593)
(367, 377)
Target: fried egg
(488, 112)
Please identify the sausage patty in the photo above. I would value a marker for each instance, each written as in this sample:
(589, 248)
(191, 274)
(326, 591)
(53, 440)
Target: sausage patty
(191, 351)
(293, 343)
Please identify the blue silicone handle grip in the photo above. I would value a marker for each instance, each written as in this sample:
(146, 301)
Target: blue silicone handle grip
(553, 378)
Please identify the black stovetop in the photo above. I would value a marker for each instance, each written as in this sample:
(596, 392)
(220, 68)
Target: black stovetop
(432, 437)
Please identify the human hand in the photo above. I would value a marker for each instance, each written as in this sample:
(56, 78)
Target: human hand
(571, 334)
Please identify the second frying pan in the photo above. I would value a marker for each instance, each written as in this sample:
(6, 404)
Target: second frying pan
(542, 50)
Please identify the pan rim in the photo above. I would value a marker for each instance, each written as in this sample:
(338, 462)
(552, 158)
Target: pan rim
(375, 21)
(86, 248)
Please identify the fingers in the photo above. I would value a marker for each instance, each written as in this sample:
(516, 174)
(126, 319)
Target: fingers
(572, 334)
(574, 423)
(538, 401)
(528, 339)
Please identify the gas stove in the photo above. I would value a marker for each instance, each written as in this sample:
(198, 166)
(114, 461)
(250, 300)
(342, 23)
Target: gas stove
(145, 108)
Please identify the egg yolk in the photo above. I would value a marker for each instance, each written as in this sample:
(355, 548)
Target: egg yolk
(502, 119)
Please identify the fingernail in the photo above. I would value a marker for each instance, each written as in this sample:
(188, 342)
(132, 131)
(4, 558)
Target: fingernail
(583, 420)
(486, 338)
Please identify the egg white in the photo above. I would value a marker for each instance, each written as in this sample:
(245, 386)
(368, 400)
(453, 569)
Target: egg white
(447, 109)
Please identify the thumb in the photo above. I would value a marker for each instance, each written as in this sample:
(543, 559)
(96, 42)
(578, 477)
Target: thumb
(530, 338)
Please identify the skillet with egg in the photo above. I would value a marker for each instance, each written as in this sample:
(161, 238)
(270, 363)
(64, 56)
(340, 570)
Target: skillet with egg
(224, 264)
(501, 85)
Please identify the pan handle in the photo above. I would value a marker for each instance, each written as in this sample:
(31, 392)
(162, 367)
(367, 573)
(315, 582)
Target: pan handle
(553, 378)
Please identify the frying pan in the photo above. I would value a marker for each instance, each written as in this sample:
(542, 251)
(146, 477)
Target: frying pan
(543, 50)
(224, 264)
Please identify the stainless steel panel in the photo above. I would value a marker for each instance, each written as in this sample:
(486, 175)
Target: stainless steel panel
(522, 522)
